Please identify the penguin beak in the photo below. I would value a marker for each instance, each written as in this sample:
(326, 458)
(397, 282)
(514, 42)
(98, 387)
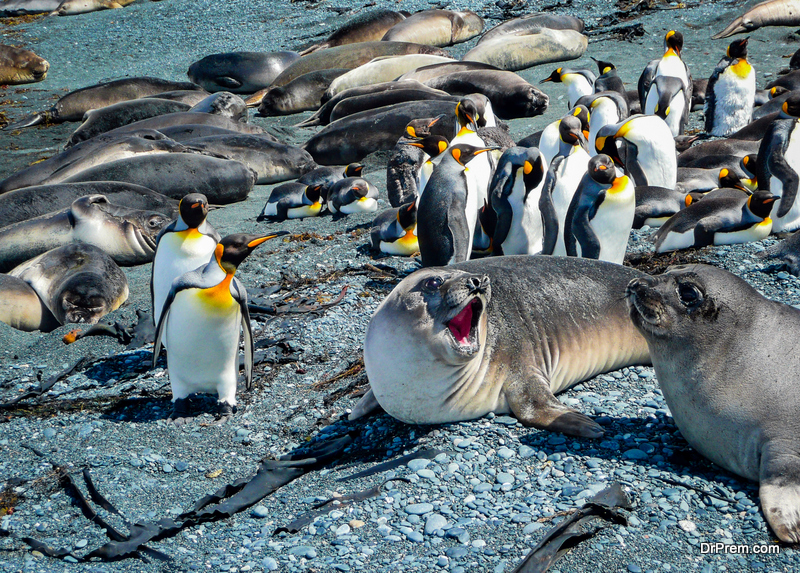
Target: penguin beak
(256, 242)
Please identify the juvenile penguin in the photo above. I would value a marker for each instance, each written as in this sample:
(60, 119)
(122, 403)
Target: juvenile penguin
(667, 99)
(184, 245)
(352, 195)
(600, 216)
(670, 64)
(394, 231)
(579, 82)
(731, 92)
(200, 323)
(778, 167)
(448, 210)
(515, 190)
(293, 200)
(563, 176)
(717, 221)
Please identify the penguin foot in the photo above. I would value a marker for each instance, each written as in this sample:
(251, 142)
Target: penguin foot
(180, 412)
(225, 413)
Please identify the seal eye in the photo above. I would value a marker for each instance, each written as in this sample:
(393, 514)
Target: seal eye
(432, 284)
(689, 295)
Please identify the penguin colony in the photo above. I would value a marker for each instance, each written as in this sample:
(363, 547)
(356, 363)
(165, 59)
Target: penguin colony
(458, 185)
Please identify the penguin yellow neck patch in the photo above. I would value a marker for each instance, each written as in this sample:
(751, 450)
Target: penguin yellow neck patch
(619, 184)
(189, 234)
(219, 296)
(741, 68)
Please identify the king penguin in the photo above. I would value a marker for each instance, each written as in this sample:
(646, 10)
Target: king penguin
(293, 200)
(432, 146)
(731, 92)
(182, 246)
(605, 108)
(670, 64)
(448, 210)
(600, 217)
(394, 231)
(778, 166)
(352, 195)
(200, 322)
(579, 82)
(515, 191)
(410, 157)
(550, 140)
(667, 99)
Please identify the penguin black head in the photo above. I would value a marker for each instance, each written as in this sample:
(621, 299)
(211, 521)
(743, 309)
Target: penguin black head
(604, 67)
(760, 203)
(488, 219)
(233, 249)
(533, 169)
(606, 143)
(353, 170)
(583, 114)
(791, 106)
(464, 153)
(407, 215)
(727, 179)
(673, 41)
(601, 168)
(419, 128)
(777, 91)
(554, 77)
(313, 194)
(748, 164)
(433, 145)
(193, 209)
(570, 131)
(692, 198)
(738, 48)
(467, 115)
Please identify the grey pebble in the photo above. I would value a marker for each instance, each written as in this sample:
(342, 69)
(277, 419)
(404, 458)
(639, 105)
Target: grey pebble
(260, 511)
(419, 508)
(418, 464)
(434, 522)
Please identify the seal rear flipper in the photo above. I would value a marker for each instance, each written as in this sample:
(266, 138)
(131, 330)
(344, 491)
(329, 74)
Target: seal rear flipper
(366, 406)
(228, 82)
(533, 404)
(780, 491)
(28, 121)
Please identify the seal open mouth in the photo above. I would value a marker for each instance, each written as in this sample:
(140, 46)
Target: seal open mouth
(464, 326)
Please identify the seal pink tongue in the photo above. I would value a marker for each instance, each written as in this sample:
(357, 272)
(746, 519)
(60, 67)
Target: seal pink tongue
(460, 325)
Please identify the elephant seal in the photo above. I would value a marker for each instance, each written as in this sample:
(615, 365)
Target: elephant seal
(502, 334)
(426, 73)
(351, 56)
(98, 150)
(367, 27)
(21, 307)
(183, 133)
(786, 253)
(724, 358)
(168, 120)
(223, 181)
(77, 282)
(769, 13)
(531, 24)
(190, 97)
(31, 202)
(75, 7)
(380, 70)
(104, 119)
(436, 28)
(512, 53)
(127, 235)
(303, 93)
(225, 104)
(240, 72)
(19, 66)
(74, 105)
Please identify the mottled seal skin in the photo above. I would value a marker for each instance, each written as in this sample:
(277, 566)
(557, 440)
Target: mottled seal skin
(769, 13)
(502, 334)
(31, 202)
(304, 93)
(511, 96)
(20, 66)
(531, 24)
(75, 7)
(725, 359)
(127, 235)
(786, 254)
(74, 105)
(100, 149)
(351, 56)
(240, 72)
(21, 307)
(223, 181)
(224, 104)
(354, 137)
(510, 52)
(104, 119)
(78, 282)
(367, 27)
(436, 28)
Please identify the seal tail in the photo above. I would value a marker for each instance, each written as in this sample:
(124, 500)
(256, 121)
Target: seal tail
(29, 121)
(734, 27)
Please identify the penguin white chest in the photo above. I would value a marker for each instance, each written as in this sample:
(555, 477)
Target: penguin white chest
(733, 101)
(672, 65)
(526, 233)
(568, 177)
(603, 114)
(614, 219)
(202, 333)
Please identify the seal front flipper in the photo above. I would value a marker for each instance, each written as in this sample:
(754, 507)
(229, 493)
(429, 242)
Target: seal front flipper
(28, 121)
(228, 82)
(533, 403)
(780, 490)
(366, 406)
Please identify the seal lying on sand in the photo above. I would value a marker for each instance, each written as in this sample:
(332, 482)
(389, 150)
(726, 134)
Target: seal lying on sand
(725, 359)
(240, 72)
(499, 335)
(21, 307)
(18, 66)
(78, 282)
(769, 13)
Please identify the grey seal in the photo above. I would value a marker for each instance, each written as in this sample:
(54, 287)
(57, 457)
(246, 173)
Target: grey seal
(502, 334)
(20, 66)
(77, 282)
(725, 359)
(240, 72)
(21, 307)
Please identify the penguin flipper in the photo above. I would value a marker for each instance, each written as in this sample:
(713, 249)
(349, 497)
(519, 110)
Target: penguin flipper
(187, 280)
(704, 233)
(548, 210)
(239, 294)
(646, 79)
(781, 169)
(168, 229)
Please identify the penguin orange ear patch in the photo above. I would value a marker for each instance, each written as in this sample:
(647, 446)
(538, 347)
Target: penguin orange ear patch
(442, 146)
(411, 131)
(457, 154)
(527, 167)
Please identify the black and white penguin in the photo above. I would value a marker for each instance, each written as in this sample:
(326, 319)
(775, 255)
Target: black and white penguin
(579, 82)
(655, 205)
(326, 176)
(182, 246)
(448, 210)
(717, 153)
(433, 146)
(731, 92)
(670, 64)
(605, 108)
(293, 200)
(643, 145)
(667, 99)
(409, 158)
(609, 80)
(483, 239)
(352, 195)
(563, 176)
(550, 140)
(600, 217)
(515, 191)
(721, 220)
(778, 166)
(765, 101)
(202, 316)
(394, 231)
